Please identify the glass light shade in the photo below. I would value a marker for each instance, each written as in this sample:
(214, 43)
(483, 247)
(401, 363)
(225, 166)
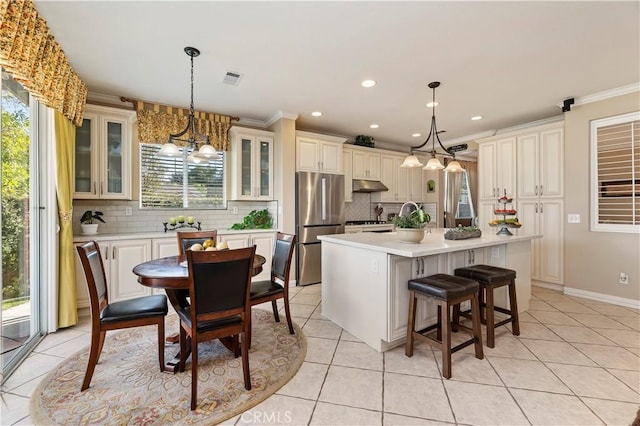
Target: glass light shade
(453, 167)
(207, 151)
(433, 164)
(193, 158)
(169, 149)
(411, 161)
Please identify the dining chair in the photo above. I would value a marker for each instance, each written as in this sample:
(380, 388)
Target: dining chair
(105, 316)
(188, 238)
(278, 286)
(219, 283)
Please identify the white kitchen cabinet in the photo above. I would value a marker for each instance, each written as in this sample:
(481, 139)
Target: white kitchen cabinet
(497, 168)
(366, 164)
(545, 216)
(119, 259)
(416, 184)
(464, 258)
(103, 154)
(347, 161)
(403, 269)
(402, 182)
(393, 177)
(319, 153)
(164, 247)
(540, 164)
(264, 242)
(251, 166)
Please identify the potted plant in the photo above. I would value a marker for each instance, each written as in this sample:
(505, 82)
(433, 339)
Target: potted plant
(87, 222)
(410, 227)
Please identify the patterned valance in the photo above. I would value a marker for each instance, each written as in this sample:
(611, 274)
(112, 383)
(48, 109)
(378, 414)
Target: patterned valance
(35, 59)
(156, 122)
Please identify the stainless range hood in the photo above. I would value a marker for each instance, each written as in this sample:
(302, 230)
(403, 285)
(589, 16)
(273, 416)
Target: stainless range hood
(363, 185)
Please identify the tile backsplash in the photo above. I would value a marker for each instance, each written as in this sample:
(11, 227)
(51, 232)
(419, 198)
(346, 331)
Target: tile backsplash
(150, 220)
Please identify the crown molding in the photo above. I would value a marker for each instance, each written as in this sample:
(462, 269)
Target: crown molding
(279, 116)
(618, 91)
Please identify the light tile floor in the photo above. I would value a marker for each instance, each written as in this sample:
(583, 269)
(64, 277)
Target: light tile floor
(576, 362)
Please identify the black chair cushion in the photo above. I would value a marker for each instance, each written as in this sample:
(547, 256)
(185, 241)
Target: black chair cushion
(141, 307)
(265, 288)
(203, 326)
(486, 273)
(444, 286)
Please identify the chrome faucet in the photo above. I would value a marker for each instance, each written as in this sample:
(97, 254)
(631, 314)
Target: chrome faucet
(403, 206)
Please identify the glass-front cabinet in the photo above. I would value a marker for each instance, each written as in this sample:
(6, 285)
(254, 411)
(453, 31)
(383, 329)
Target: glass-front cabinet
(103, 154)
(251, 164)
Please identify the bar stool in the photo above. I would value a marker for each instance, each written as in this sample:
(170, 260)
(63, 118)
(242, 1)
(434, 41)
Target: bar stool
(490, 278)
(446, 291)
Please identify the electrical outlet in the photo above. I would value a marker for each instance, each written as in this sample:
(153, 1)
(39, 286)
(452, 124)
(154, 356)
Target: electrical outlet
(235, 210)
(624, 278)
(374, 266)
(127, 211)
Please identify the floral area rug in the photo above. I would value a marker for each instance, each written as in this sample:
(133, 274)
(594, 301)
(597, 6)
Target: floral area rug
(128, 388)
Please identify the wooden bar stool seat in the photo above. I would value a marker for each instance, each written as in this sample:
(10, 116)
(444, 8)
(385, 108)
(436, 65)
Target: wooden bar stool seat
(490, 278)
(446, 291)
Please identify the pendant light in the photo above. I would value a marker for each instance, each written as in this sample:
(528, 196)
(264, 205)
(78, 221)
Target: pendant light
(194, 138)
(434, 163)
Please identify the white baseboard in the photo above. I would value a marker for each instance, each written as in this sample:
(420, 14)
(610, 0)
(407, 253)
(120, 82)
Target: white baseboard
(620, 301)
(550, 286)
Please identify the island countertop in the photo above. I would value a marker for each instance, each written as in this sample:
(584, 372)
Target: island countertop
(433, 242)
(365, 275)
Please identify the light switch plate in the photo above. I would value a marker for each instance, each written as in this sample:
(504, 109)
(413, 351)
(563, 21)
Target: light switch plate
(573, 218)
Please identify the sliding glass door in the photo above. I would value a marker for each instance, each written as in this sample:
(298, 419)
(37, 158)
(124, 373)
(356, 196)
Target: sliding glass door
(21, 303)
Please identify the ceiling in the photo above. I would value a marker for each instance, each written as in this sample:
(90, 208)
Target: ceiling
(510, 62)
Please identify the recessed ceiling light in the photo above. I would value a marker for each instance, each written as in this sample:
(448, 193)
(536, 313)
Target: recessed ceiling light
(432, 104)
(374, 126)
(316, 113)
(416, 135)
(368, 83)
(476, 117)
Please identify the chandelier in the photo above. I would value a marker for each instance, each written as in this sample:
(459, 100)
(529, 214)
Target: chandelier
(433, 163)
(194, 138)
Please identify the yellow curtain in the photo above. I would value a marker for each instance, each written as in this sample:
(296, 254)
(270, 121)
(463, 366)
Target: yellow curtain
(156, 122)
(65, 159)
(36, 60)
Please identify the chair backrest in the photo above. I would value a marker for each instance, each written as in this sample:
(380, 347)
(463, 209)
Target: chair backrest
(188, 238)
(282, 255)
(219, 282)
(465, 221)
(96, 278)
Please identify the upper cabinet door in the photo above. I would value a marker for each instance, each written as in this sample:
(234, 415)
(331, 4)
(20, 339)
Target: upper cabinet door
(487, 171)
(103, 154)
(86, 176)
(318, 153)
(251, 165)
(528, 178)
(551, 163)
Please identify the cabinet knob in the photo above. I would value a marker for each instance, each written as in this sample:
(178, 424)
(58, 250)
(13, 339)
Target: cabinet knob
(540, 190)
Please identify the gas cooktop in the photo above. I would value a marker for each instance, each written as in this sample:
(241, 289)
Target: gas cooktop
(365, 222)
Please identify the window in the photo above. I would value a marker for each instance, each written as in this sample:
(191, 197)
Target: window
(465, 205)
(615, 173)
(174, 183)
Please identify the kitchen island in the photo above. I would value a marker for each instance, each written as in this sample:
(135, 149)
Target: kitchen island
(364, 277)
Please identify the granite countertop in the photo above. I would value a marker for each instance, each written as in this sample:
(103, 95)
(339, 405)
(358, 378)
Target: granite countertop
(433, 243)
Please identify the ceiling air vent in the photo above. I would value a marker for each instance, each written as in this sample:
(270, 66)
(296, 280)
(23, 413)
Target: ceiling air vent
(232, 78)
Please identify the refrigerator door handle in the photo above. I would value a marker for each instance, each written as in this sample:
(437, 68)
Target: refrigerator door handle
(324, 198)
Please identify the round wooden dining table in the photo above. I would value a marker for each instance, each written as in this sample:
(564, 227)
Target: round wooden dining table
(171, 275)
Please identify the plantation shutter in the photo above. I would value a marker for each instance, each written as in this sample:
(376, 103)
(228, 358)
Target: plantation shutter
(618, 172)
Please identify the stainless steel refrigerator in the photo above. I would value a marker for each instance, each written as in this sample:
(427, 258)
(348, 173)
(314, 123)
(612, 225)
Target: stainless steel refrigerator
(319, 211)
